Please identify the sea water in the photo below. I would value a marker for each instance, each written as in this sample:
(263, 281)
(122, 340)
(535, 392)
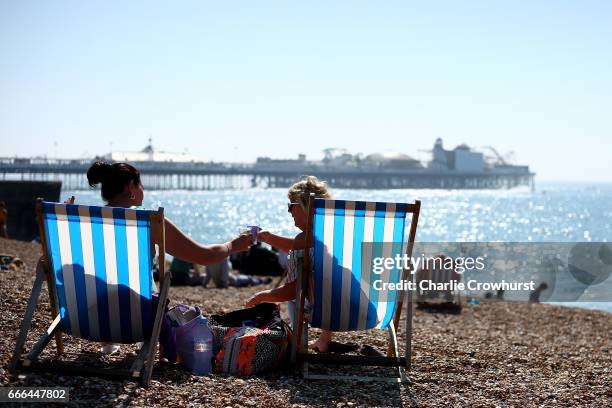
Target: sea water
(554, 212)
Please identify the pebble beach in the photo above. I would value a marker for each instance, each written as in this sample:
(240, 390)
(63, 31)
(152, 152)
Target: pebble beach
(495, 353)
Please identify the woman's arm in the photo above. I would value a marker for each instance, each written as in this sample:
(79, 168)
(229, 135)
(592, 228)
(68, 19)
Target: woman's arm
(277, 241)
(183, 247)
(300, 241)
(283, 293)
(280, 294)
(180, 245)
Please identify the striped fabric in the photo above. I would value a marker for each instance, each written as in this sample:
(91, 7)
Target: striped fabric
(101, 263)
(443, 275)
(436, 275)
(343, 290)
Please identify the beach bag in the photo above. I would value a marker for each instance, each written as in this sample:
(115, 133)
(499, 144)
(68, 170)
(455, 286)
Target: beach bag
(249, 341)
(186, 339)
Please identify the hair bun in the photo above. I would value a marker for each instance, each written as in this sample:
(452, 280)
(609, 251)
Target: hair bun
(98, 172)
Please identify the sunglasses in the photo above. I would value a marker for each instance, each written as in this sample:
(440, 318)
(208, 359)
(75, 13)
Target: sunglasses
(289, 205)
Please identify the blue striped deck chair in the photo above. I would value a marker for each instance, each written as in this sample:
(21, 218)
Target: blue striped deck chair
(97, 262)
(339, 280)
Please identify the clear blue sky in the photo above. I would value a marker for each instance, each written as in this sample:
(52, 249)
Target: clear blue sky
(233, 80)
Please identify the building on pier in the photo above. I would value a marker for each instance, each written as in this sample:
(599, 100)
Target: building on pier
(391, 160)
(150, 154)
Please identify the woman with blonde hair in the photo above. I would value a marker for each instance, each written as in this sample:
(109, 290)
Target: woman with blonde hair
(298, 195)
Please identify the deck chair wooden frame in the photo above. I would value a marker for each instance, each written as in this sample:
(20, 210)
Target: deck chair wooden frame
(142, 367)
(299, 350)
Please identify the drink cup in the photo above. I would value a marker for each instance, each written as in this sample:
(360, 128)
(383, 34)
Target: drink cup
(254, 229)
(251, 230)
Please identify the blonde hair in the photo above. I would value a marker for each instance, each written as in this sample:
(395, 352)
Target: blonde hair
(301, 190)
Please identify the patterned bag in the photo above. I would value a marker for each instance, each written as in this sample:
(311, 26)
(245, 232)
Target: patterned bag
(249, 341)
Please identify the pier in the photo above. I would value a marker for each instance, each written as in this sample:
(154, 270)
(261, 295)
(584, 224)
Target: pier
(219, 176)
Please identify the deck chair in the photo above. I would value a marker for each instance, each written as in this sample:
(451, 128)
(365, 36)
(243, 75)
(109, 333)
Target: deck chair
(339, 280)
(434, 299)
(97, 263)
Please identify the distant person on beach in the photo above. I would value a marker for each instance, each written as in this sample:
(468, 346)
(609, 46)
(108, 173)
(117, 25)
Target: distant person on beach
(534, 296)
(190, 274)
(223, 277)
(185, 273)
(122, 187)
(219, 274)
(298, 195)
(3, 220)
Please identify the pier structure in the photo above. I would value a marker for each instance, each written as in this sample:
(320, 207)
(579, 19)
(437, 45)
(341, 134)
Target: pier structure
(219, 176)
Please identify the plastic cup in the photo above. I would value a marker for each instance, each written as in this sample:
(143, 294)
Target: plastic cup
(251, 230)
(254, 229)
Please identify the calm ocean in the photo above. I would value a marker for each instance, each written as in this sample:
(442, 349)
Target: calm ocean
(555, 212)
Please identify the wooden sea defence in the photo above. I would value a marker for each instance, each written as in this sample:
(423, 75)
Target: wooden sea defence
(20, 198)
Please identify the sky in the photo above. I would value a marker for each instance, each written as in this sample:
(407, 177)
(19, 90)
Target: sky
(235, 80)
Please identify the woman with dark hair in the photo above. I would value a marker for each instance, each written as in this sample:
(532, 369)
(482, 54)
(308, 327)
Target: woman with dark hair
(121, 187)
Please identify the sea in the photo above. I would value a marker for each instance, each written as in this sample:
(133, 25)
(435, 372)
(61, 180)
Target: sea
(553, 212)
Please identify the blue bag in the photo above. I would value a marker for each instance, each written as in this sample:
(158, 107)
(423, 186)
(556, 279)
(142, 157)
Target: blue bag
(186, 339)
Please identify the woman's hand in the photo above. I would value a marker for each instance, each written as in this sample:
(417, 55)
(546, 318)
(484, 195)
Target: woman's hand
(277, 241)
(69, 200)
(241, 243)
(263, 235)
(257, 298)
